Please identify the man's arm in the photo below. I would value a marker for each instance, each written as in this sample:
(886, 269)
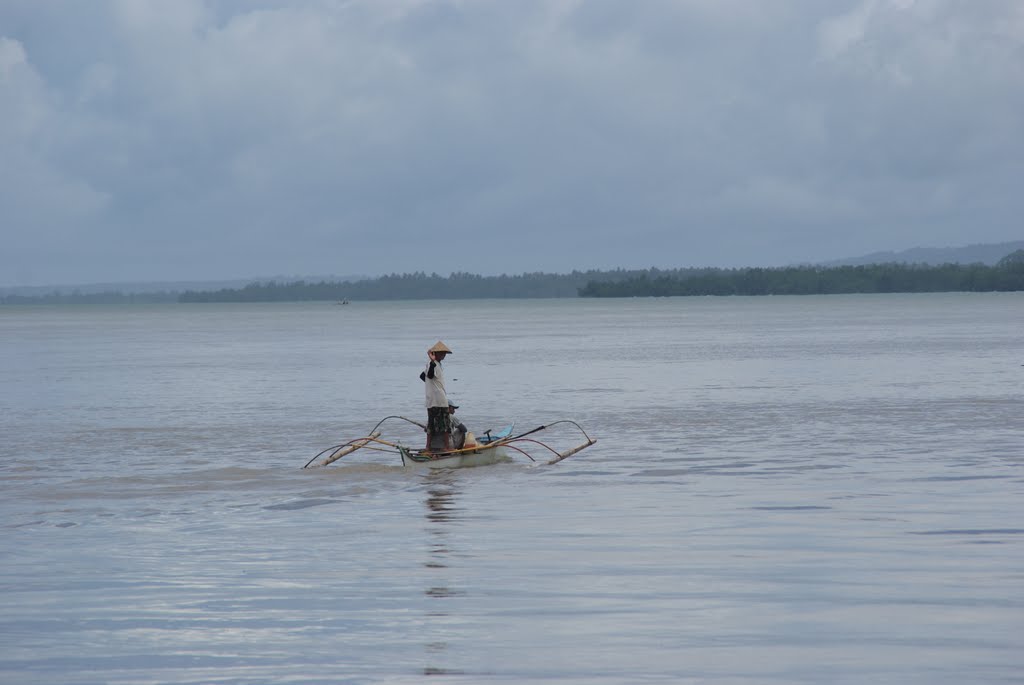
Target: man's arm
(429, 373)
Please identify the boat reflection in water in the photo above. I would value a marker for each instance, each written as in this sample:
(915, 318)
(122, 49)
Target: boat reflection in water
(441, 513)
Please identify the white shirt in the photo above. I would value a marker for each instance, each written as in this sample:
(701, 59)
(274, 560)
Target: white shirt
(436, 394)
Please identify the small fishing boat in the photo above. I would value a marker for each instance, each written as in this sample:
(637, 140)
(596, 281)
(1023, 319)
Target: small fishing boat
(491, 447)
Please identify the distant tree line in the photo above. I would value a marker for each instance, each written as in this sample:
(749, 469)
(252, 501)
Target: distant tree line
(1007, 275)
(422, 286)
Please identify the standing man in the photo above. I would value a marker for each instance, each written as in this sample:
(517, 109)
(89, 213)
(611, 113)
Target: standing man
(439, 421)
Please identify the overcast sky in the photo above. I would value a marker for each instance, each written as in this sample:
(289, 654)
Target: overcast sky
(230, 139)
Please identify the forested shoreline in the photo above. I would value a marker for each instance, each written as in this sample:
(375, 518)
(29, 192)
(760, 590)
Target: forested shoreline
(422, 286)
(1007, 275)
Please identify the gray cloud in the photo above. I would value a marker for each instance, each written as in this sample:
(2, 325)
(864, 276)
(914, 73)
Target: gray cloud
(146, 140)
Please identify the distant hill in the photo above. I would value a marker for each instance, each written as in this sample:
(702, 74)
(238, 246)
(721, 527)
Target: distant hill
(988, 254)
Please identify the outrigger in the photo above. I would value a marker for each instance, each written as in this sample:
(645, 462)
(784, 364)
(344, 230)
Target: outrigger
(489, 448)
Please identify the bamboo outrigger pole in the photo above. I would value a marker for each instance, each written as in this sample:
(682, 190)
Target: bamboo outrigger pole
(568, 453)
(351, 448)
(341, 452)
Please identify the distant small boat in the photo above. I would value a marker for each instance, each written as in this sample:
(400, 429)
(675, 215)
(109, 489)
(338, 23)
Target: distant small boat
(492, 447)
(341, 302)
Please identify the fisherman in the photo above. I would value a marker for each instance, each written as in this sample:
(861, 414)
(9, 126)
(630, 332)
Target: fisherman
(459, 430)
(439, 421)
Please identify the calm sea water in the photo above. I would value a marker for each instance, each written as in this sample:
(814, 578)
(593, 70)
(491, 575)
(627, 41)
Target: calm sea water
(785, 490)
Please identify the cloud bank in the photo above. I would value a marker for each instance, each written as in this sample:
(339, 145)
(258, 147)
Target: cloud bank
(191, 139)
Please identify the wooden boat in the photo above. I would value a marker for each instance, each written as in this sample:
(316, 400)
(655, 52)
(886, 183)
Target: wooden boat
(491, 447)
(453, 460)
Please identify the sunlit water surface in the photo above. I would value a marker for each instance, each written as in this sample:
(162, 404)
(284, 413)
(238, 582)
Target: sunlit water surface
(784, 490)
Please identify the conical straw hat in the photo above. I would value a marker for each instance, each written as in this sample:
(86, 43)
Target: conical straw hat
(440, 347)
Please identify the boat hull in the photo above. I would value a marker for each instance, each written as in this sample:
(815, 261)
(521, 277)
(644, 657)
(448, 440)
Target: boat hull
(483, 457)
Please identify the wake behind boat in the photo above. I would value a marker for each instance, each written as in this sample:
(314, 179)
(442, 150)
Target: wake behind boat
(489, 448)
